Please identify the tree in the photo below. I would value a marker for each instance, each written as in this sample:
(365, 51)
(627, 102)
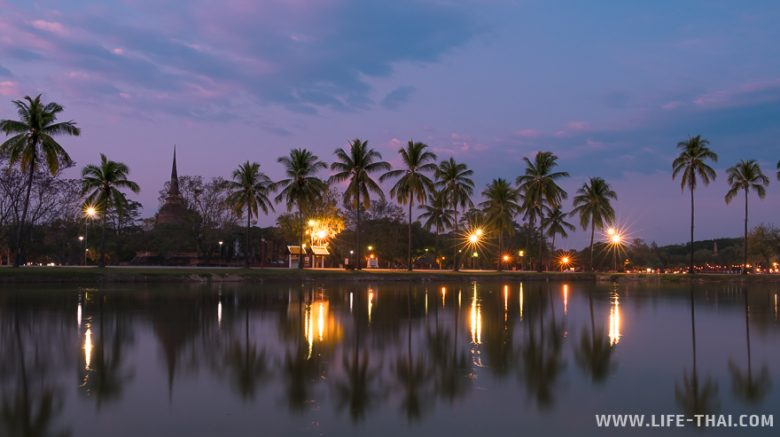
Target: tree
(301, 187)
(32, 144)
(356, 166)
(539, 187)
(746, 176)
(692, 164)
(593, 205)
(249, 191)
(437, 215)
(556, 224)
(501, 205)
(102, 184)
(413, 182)
(454, 180)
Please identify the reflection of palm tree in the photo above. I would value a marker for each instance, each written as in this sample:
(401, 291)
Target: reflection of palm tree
(412, 374)
(595, 353)
(23, 415)
(356, 391)
(542, 362)
(299, 370)
(451, 367)
(248, 366)
(694, 397)
(752, 388)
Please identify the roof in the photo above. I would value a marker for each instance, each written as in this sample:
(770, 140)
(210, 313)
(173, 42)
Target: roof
(294, 250)
(320, 250)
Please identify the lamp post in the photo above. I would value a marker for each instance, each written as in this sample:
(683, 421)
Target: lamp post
(81, 244)
(616, 239)
(90, 212)
(220, 251)
(521, 254)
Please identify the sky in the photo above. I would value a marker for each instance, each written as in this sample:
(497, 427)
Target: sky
(609, 86)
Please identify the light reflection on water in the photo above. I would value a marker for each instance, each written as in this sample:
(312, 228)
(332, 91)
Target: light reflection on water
(302, 359)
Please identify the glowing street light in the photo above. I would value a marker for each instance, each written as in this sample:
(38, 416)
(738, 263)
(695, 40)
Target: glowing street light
(616, 240)
(611, 231)
(565, 262)
(90, 212)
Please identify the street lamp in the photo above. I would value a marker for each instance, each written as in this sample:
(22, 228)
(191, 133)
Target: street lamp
(616, 240)
(90, 212)
(565, 262)
(220, 250)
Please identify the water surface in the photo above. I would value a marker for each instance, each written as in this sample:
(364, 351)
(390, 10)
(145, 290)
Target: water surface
(449, 359)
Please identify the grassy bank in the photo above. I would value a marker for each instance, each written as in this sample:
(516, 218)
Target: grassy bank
(205, 274)
(93, 275)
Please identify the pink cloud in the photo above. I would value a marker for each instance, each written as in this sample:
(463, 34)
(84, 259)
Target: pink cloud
(49, 26)
(741, 94)
(674, 104)
(118, 51)
(528, 133)
(8, 88)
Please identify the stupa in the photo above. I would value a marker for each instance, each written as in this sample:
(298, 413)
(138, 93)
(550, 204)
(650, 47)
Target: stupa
(173, 211)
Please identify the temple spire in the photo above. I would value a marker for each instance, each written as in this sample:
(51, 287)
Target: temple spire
(174, 189)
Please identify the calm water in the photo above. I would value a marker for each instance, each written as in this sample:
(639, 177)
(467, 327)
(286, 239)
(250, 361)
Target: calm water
(386, 359)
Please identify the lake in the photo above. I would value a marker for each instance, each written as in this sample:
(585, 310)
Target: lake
(383, 359)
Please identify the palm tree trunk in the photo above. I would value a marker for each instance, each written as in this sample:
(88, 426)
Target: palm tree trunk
(248, 227)
(409, 246)
(499, 266)
(303, 231)
(552, 251)
(357, 232)
(455, 246)
(102, 262)
(19, 230)
(745, 248)
(592, 233)
(690, 267)
(541, 247)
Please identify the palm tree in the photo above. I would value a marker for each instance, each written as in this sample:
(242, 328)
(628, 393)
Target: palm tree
(539, 186)
(301, 187)
(593, 205)
(249, 191)
(413, 182)
(454, 180)
(692, 163)
(746, 176)
(356, 166)
(32, 144)
(502, 204)
(437, 215)
(102, 184)
(556, 224)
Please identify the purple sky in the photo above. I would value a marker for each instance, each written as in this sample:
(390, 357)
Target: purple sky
(609, 86)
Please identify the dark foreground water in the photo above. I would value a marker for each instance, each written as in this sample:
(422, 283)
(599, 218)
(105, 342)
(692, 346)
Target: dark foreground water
(387, 359)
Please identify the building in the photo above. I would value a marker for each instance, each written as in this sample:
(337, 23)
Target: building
(173, 211)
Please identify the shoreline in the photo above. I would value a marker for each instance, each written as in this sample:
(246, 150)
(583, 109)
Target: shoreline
(94, 275)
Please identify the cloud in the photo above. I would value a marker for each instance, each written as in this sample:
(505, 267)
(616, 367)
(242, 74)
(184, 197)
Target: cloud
(49, 26)
(4, 72)
(8, 88)
(397, 97)
(306, 56)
